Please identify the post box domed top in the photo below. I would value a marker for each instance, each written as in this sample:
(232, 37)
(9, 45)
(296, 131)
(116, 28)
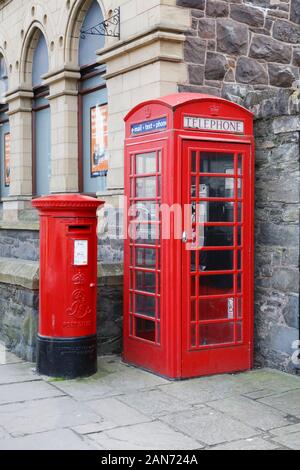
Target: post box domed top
(67, 202)
(176, 100)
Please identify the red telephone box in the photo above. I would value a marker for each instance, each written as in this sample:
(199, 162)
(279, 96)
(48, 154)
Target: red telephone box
(189, 186)
(67, 335)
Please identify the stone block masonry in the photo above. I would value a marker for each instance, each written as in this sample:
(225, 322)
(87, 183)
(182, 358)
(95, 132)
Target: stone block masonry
(19, 293)
(249, 52)
(256, 44)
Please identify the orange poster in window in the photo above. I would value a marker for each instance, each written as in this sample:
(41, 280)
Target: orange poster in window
(99, 141)
(7, 159)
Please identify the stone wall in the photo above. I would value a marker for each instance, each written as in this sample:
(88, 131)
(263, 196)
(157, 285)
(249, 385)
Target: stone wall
(19, 320)
(255, 43)
(249, 52)
(277, 234)
(277, 131)
(19, 293)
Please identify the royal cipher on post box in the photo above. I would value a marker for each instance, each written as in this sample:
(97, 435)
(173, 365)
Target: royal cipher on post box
(67, 336)
(188, 284)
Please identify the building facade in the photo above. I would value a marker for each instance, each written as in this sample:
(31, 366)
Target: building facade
(59, 82)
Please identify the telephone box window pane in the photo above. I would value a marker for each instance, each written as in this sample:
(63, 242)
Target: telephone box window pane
(239, 283)
(194, 187)
(193, 310)
(240, 164)
(219, 236)
(159, 169)
(216, 333)
(193, 336)
(216, 261)
(240, 189)
(145, 305)
(145, 329)
(239, 212)
(146, 163)
(131, 325)
(193, 286)
(239, 236)
(131, 303)
(212, 162)
(158, 339)
(216, 309)
(132, 165)
(193, 261)
(158, 308)
(194, 162)
(145, 211)
(239, 304)
(159, 186)
(216, 285)
(146, 258)
(215, 187)
(158, 284)
(239, 332)
(146, 234)
(239, 260)
(146, 282)
(217, 212)
(146, 187)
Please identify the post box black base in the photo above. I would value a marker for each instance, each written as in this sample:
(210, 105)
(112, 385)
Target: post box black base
(70, 358)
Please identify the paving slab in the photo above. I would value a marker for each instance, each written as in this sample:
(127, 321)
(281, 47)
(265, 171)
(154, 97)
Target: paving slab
(209, 426)
(205, 389)
(7, 357)
(93, 428)
(111, 364)
(18, 372)
(3, 433)
(110, 384)
(286, 430)
(45, 415)
(20, 392)
(149, 436)
(155, 403)
(292, 441)
(114, 411)
(251, 412)
(256, 443)
(54, 440)
(288, 402)
(272, 380)
(265, 392)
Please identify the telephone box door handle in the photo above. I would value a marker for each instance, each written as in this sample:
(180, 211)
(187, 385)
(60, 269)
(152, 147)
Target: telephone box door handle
(92, 285)
(185, 237)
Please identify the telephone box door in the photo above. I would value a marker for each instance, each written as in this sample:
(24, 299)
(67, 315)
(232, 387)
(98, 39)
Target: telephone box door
(217, 261)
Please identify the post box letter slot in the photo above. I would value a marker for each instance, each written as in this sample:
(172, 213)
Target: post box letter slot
(79, 228)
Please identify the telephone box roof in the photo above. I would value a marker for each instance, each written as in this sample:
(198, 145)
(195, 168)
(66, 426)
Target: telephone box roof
(178, 99)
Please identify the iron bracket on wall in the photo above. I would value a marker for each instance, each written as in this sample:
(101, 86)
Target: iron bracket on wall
(109, 27)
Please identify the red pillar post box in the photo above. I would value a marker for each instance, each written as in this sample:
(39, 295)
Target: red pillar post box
(67, 336)
(188, 284)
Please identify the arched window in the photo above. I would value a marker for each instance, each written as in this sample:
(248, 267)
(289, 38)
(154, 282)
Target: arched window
(93, 112)
(4, 133)
(41, 125)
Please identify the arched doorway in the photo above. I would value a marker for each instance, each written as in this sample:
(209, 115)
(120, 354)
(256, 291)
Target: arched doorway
(93, 109)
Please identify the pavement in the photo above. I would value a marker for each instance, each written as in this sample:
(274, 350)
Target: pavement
(123, 408)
